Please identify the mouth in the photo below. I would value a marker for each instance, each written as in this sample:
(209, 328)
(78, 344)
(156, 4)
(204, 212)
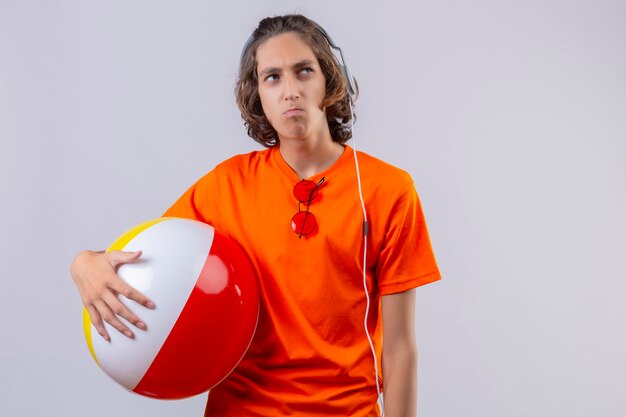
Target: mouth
(293, 112)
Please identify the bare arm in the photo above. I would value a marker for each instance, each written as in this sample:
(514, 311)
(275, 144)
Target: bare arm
(399, 354)
(94, 274)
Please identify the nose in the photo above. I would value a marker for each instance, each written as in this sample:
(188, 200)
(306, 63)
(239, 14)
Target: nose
(290, 88)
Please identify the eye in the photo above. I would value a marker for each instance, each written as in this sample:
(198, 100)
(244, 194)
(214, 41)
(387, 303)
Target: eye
(306, 70)
(271, 77)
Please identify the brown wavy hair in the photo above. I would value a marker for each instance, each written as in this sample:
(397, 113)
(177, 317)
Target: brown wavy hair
(336, 102)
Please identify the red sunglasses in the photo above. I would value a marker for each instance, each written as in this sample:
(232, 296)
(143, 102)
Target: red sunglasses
(303, 222)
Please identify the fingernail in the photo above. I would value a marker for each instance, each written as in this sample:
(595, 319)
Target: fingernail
(128, 333)
(150, 304)
(141, 325)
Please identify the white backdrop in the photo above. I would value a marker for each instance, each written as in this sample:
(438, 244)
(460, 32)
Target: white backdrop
(509, 115)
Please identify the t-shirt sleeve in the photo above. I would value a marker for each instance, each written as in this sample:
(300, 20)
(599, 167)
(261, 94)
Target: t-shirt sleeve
(406, 259)
(199, 202)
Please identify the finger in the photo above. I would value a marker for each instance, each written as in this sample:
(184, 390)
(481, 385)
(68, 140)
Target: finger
(110, 317)
(120, 309)
(131, 293)
(96, 320)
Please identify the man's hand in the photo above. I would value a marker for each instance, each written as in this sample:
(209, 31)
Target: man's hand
(95, 276)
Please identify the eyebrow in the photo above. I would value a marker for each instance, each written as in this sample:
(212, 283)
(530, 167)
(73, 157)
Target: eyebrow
(299, 64)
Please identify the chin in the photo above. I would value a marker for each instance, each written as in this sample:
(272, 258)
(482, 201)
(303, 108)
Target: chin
(293, 134)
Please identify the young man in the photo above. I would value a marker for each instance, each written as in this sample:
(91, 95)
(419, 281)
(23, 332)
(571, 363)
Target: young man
(296, 210)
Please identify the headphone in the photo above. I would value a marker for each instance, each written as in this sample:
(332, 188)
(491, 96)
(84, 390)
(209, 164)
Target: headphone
(351, 90)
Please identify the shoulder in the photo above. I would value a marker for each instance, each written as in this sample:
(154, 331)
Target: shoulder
(383, 176)
(244, 162)
(241, 165)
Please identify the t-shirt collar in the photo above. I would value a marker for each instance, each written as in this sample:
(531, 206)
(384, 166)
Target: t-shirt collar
(344, 160)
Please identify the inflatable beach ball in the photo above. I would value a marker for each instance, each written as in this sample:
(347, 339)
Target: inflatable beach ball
(206, 312)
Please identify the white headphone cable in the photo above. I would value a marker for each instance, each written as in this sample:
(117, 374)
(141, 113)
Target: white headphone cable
(365, 232)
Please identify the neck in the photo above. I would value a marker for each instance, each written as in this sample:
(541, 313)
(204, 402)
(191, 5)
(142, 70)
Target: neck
(309, 157)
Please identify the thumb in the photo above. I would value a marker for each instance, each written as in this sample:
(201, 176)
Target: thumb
(118, 257)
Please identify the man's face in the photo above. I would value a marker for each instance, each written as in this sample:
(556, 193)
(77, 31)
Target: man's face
(291, 87)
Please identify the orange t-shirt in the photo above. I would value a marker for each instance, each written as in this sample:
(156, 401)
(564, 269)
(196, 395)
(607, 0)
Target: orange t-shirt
(310, 355)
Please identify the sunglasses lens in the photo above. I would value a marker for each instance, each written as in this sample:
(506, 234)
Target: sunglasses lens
(303, 222)
(305, 191)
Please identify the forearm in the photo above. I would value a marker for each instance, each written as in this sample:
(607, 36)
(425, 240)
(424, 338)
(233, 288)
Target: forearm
(400, 383)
